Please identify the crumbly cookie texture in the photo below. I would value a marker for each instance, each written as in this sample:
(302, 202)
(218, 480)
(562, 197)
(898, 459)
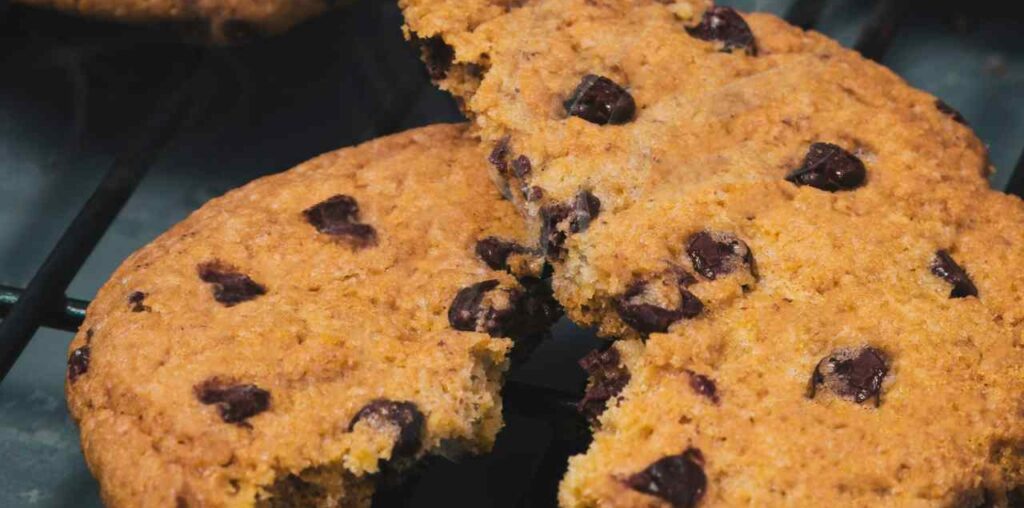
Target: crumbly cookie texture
(227, 20)
(843, 351)
(590, 106)
(295, 338)
(847, 399)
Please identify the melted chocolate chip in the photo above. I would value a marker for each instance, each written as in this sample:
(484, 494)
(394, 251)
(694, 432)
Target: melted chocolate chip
(948, 270)
(436, 54)
(495, 252)
(851, 373)
(338, 216)
(950, 111)
(635, 309)
(229, 286)
(504, 312)
(716, 253)
(600, 100)
(830, 168)
(678, 479)
(703, 385)
(521, 166)
(78, 363)
(500, 154)
(534, 194)
(236, 403)
(405, 416)
(608, 376)
(563, 219)
(135, 299)
(727, 26)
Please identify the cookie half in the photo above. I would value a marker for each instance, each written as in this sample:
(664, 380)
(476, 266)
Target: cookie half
(296, 339)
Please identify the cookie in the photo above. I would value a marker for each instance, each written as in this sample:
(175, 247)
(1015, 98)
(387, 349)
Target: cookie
(590, 107)
(294, 340)
(222, 20)
(848, 399)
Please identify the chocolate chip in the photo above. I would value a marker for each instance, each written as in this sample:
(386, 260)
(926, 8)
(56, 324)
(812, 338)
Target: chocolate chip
(135, 299)
(678, 479)
(495, 252)
(715, 253)
(235, 402)
(600, 100)
(851, 373)
(830, 168)
(338, 216)
(608, 376)
(504, 312)
(499, 155)
(521, 166)
(948, 270)
(405, 416)
(229, 286)
(646, 311)
(534, 194)
(950, 110)
(436, 54)
(78, 363)
(725, 25)
(703, 385)
(563, 219)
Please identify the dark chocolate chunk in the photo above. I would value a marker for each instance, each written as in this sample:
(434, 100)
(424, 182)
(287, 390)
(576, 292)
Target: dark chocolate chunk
(229, 286)
(495, 252)
(500, 154)
(950, 110)
(727, 26)
(608, 376)
(78, 363)
(703, 385)
(534, 193)
(521, 166)
(635, 307)
(851, 373)
(563, 219)
(504, 312)
(436, 54)
(381, 413)
(678, 479)
(135, 299)
(235, 402)
(830, 168)
(600, 100)
(291, 491)
(715, 253)
(338, 216)
(948, 270)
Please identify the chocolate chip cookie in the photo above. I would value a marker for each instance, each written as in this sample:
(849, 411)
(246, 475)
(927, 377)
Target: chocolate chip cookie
(222, 20)
(589, 107)
(297, 338)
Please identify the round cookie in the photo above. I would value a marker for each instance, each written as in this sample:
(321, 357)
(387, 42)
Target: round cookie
(227, 20)
(293, 340)
(593, 106)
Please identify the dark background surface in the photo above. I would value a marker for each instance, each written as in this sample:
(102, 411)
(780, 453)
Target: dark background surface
(74, 94)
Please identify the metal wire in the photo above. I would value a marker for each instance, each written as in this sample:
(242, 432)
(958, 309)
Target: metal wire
(45, 292)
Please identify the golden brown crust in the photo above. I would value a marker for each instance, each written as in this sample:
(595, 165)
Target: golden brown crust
(338, 325)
